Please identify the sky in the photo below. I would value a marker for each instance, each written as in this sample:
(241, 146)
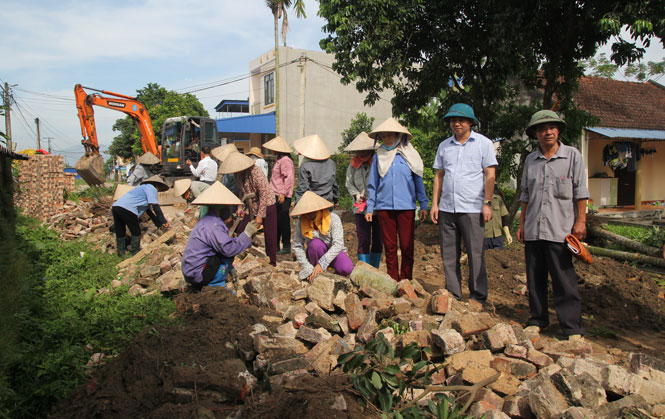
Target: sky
(122, 45)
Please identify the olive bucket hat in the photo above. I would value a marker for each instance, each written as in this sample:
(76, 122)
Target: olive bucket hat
(544, 117)
(461, 110)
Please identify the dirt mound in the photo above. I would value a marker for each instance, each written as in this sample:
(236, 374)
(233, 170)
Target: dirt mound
(191, 370)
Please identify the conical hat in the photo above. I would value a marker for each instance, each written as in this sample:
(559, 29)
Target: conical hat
(120, 190)
(181, 186)
(391, 125)
(157, 182)
(217, 194)
(279, 145)
(312, 147)
(361, 142)
(148, 158)
(310, 202)
(256, 152)
(222, 151)
(235, 162)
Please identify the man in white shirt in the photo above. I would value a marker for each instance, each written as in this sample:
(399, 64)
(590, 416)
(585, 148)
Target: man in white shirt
(206, 170)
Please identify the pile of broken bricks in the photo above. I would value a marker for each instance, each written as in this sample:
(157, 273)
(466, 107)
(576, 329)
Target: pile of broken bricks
(314, 323)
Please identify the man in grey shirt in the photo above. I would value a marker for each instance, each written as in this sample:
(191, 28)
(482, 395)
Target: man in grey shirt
(554, 197)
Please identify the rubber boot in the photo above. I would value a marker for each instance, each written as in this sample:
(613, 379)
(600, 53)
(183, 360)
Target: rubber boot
(121, 245)
(364, 257)
(135, 245)
(375, 259)
(284, 251)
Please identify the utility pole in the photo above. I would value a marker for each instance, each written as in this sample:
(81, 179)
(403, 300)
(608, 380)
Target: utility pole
(39, 141)
(8, 120)
(49, 143)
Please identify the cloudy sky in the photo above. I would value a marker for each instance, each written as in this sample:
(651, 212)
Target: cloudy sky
(122, 45)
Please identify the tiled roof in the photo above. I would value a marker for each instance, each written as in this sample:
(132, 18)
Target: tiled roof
(622, 104)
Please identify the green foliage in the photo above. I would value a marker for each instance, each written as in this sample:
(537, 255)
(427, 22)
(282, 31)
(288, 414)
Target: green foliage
(161, 104)
(652, 236)
(385, 379)
(398, 328)
(602, 331)
(342, 161)
(65, 314)
(360, 123)
(92, 192)
(457, 52)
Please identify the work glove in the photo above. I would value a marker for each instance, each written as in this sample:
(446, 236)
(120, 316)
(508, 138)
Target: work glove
(509, 238)
(251, 229)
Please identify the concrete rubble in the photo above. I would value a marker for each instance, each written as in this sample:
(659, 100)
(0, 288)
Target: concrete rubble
(312, 324)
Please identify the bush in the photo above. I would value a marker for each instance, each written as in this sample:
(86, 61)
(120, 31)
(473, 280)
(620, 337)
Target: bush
(65, 314)
(342, 160)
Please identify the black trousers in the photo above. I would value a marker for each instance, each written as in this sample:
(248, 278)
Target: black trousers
(543, 258)
(123, 218)
(283, 222)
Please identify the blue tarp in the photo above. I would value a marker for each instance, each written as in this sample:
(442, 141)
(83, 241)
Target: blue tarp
(72, 170)
(251, 124)
(646, 134)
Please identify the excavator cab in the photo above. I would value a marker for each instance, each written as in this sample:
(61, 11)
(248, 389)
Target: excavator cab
(183, 137)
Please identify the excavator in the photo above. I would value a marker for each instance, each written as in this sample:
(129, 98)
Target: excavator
(91, 166)
(183, 137)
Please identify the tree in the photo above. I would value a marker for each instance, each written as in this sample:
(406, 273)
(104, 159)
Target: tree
(278, 9)
(161, 104)
(506, 58)
(601, 66)
(360, 123)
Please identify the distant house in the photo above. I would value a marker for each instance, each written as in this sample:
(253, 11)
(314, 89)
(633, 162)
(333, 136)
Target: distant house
(312, 101)
(625, 152)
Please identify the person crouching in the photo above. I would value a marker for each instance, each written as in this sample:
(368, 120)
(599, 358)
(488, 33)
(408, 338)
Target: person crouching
(128, 209)
(210, 250)
(318, 238)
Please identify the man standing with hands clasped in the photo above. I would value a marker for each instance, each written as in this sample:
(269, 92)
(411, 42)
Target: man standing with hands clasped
(461, 201)
(554, 197)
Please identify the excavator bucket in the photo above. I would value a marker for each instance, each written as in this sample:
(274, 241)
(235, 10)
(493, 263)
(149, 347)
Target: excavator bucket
(91, 169)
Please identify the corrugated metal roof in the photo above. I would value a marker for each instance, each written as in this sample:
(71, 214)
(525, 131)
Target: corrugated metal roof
(253, 124)
(647, 134)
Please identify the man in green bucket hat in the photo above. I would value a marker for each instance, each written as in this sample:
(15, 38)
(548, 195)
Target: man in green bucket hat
(465, 166)
(554, 197)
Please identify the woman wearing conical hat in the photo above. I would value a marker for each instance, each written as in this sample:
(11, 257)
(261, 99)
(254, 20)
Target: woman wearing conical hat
(251, 180)
(209, 253)
(318, 238)
(129, 207)
(189, 190)
(370, 245)
(282, 180)
(395, 183)
(255, 154)
(317, 173)
(142, 170)
(221, 153)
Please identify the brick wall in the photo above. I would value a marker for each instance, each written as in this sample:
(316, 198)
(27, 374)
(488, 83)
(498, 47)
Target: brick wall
(42, 183)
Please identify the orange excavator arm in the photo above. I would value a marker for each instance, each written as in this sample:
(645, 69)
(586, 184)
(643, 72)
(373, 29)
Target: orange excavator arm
(119, 102)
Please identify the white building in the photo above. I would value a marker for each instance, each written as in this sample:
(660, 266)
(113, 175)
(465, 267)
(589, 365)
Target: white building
(312, 101)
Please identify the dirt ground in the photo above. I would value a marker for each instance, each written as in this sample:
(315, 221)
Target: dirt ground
(617, 298)
(202, 352)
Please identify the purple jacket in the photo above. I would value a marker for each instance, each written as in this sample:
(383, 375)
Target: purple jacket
(209, 237)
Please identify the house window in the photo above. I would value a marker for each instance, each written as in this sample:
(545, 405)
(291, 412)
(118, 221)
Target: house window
(269, 89)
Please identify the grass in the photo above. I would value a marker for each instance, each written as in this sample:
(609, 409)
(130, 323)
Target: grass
(64, 315)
